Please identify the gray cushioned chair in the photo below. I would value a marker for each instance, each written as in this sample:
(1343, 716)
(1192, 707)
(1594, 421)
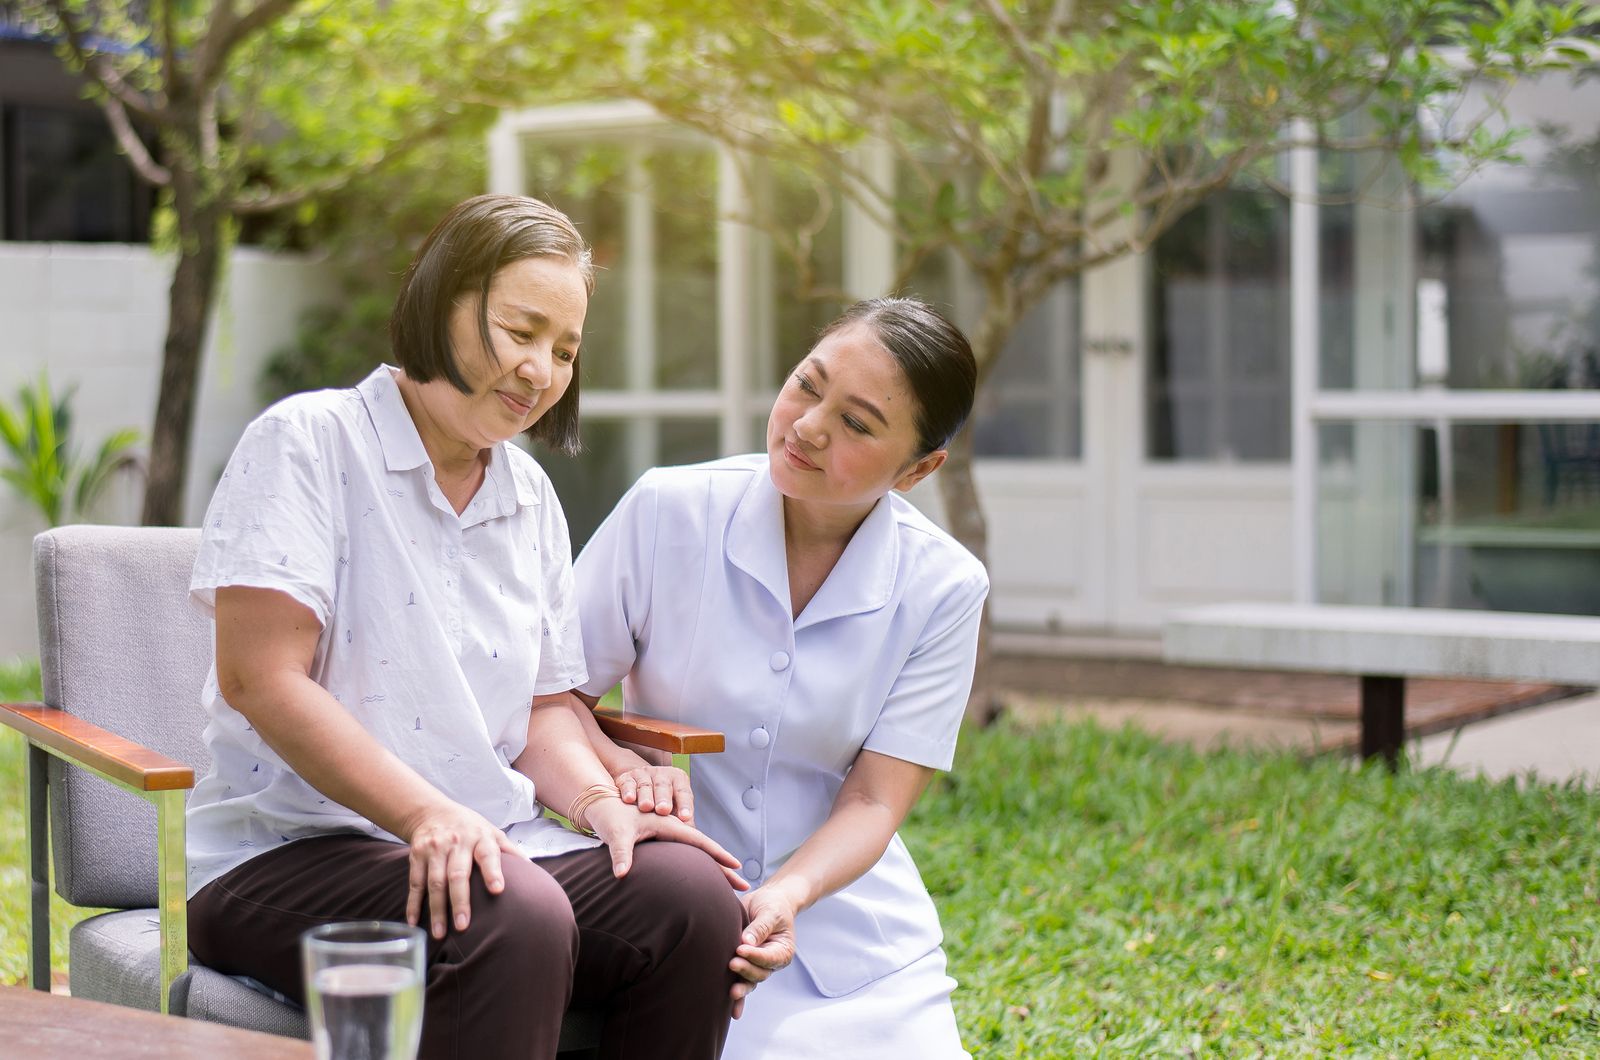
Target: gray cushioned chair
(123, 657)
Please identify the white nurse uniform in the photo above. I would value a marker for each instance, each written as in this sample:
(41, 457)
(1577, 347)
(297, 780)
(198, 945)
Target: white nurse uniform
(683, 594)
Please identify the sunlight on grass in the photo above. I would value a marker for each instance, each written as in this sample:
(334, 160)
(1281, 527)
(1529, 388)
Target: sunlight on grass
(1106, 894)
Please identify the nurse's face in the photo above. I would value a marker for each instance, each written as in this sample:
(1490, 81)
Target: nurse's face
(536, 308)
(843, 430)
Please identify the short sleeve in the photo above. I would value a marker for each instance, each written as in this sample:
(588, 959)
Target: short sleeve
(614, 575)
(270, 524)
(561, 657)
(921, 718)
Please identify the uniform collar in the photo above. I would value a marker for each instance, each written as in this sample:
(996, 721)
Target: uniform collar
(511, 481)
(862, 580)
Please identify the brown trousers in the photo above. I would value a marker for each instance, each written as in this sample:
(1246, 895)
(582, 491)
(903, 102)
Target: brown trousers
(650, 950)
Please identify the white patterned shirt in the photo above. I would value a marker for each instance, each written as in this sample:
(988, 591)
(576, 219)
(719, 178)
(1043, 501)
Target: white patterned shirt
(437, 628)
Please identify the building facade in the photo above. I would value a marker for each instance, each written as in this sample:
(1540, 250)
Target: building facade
(1345, 395)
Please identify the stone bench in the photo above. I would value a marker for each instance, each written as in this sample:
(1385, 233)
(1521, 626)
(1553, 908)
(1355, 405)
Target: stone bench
(1384, 646)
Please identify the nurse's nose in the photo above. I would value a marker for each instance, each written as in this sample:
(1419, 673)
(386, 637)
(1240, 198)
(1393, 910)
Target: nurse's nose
(809, 428)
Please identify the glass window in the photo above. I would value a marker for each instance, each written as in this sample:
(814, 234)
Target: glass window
(615, 453)
(1502, 516)
(64, 180)
(1494, 285)
(793, 309)
(1031, 405)
(648, 208)
(1217, 384)
(682, 186)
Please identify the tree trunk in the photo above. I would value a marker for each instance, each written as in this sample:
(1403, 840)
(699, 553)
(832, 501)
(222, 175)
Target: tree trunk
(964, 516)
(194, 282)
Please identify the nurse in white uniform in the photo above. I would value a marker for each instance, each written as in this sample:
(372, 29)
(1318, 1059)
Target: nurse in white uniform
(795, 601)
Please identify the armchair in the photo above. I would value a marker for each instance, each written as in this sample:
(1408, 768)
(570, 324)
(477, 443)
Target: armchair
(123, 656)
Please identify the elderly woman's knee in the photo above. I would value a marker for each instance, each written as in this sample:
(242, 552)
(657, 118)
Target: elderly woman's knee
(531, 919)
(687, 885)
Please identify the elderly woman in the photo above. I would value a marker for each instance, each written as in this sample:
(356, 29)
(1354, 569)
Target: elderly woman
(395, 634)
(796, 601)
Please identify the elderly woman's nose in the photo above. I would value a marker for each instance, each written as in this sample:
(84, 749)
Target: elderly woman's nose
(536, 367)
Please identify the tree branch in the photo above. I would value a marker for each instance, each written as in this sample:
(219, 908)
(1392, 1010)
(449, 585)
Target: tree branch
(102, 70)
(267, 202)
(132, 144)
(228, 31)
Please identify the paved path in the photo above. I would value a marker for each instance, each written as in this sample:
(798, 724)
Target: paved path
(1554, 742)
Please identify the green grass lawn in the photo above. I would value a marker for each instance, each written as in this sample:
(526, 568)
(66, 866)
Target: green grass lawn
(19, 682)
(1106, 894)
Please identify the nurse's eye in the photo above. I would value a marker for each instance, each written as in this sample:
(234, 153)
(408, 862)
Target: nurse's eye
(805, 384)
(856, 425)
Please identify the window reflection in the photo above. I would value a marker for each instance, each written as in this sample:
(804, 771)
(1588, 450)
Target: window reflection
(1218, 379)
(1501, 516)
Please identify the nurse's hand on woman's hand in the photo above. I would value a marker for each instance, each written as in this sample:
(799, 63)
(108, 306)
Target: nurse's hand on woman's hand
(445, 841)
(620, 827)
(658, 789)
(767, 943)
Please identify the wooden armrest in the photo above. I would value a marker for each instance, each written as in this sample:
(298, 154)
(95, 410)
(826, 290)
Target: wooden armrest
(77, 740)
(662, 735)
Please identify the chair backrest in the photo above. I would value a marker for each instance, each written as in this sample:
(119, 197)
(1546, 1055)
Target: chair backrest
(121, 646)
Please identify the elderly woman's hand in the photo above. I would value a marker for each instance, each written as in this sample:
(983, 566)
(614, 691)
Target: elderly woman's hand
(621, 827)
(767, 943)
(446, 840)
(662, 790)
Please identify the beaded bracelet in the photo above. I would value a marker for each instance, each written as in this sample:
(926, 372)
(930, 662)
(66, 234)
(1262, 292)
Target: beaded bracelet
(578, 812)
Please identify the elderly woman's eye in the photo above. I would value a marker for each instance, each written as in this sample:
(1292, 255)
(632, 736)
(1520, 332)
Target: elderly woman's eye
(566, 356)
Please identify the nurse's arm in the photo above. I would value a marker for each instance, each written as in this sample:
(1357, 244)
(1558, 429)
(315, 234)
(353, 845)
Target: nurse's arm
(266, 642)
(645, 777)
(875, 798)
(564, 769)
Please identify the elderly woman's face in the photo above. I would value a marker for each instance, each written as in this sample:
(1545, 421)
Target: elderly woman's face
(536, 308)
(843, 430)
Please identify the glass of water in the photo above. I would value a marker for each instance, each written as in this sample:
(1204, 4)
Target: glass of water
(364, 989)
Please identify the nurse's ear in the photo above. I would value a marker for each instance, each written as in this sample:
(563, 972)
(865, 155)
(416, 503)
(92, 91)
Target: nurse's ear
(920, 469)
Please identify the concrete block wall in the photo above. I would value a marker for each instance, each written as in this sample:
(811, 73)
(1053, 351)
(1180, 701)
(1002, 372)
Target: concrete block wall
(94, 316)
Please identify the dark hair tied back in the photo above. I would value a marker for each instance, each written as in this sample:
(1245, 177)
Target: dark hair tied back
(934, 356)
(475, 240)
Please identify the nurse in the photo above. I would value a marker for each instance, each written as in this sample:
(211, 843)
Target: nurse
(796, 601)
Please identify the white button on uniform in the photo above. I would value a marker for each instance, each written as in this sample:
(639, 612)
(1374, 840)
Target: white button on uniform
(779, 660)
(759, 738)
(750, 869)
(451, 552)
(752, 799)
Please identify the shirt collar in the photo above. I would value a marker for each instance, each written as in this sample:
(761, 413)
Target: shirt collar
(397, 433)
(862, 580)
(512, 481)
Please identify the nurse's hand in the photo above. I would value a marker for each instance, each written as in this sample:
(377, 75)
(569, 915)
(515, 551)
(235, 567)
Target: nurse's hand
(621, 827)
(658, 789)
(446, 840)
(767, 943)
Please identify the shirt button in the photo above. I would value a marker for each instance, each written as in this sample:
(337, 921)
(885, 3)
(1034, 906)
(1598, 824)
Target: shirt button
(750, 869)
(455, 625)
(759, 738)
(752, 799)
(451, 551)
(779, 660)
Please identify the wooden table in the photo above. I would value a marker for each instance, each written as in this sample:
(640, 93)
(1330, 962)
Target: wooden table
(34, 1024)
